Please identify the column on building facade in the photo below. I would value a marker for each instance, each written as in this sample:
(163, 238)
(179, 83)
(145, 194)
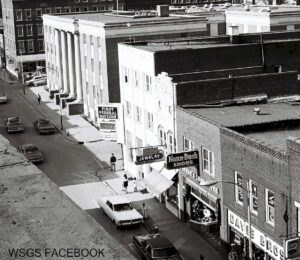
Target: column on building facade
(78, 68)
(71, 62)
(57, 69)
(64, 57)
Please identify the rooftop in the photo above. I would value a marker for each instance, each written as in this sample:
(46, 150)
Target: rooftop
(274, 123)
(35, 213)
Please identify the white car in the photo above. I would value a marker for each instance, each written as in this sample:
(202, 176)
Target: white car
(36, 80)
(119, 209)
(3, 98)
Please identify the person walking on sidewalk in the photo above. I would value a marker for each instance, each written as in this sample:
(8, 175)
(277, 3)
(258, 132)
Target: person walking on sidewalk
(125, 183)
(39, 98)
(113, 160)
(134, 185)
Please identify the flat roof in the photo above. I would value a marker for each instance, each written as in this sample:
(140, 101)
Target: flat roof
(264, 9)
(243, 115)
(110, 18)
(35, 213)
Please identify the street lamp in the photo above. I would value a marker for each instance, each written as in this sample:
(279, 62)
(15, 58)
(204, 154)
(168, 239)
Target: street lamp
(21, 51)
(248, 190)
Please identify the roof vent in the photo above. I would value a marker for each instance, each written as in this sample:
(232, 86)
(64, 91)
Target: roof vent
(256, 110)
(162, 10)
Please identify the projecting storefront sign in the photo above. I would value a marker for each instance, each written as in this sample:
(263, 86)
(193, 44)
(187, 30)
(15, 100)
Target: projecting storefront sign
(106, 112)
(258, 238)
(182, 160)
(150, 158)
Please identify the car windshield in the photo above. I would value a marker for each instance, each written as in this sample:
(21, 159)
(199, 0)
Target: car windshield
(44, 122)
(14, 120)
(164, 252)
(121, 207)
(31, 149)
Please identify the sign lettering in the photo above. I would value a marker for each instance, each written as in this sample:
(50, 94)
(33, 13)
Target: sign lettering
(182, 160)
(105, 112)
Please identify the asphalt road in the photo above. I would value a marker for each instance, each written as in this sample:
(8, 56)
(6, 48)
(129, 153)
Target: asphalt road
(65, 162)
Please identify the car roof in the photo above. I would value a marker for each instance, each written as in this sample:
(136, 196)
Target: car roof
(117, 199)
(28, 145)
(159, 242)
(42, 120)
(14, 118)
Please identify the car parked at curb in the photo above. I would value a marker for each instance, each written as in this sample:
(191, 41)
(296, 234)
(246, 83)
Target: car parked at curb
(31, 152)
(37, 80)
(156, 246)
(44, 126)
(3, 98)
(119, 209)
(14, 124)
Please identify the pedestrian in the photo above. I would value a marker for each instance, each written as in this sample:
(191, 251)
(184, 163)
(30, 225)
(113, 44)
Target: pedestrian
(134, 185)
(125, 183)
(145, 211)
(39, 98)
(113, 160)
(201, 257)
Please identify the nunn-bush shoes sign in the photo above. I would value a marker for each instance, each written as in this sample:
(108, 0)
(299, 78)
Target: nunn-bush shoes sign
(182, 160)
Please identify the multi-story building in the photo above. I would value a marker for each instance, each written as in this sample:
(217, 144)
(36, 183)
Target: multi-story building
(201, 74)
(82, 54)
(23, 28)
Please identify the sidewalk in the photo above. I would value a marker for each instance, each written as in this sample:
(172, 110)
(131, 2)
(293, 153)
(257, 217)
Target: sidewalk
(77, 129)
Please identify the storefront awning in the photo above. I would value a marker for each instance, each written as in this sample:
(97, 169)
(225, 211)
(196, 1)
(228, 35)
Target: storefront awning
(156, 183)
(169, 174)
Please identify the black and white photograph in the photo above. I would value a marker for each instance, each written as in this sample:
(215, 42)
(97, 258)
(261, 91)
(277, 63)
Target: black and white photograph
(150, 129)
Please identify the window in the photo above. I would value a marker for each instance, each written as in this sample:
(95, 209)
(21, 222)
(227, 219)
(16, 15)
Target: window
(208, 161)
(27, 14)
(57, 10)
(85, 9)
(148, 81)
(126, 74)
(171, 142)
(270, 210)
(30, 46)
(297, 205)
(29, 31)
(138, 114)
(77, 10)
(38, 13)
(188, 145)
(19, 16)
(67, 9)
(253, 198)
(136, 78)
(277, 68)
(41, 44)
(48, 11)
(20, 31)
(149, 121)
(239, 198)
(40, 29)
(21, 46)
(128, 108)
(162, 136)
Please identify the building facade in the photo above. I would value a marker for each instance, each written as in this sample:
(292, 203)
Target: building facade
(23, 28)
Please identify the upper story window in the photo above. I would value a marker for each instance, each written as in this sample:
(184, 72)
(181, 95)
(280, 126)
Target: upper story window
(188, 145)
(48, 11)
(171, 142)
(67, 9)
(270, 208)
(162, 136)
(208, 163)
(30, 46)
(148, 81)
(138, 114)
(29, 30)
(126, 74)
(20, 31)
(136, 78)
(297, 205)
(41, 44)
(128, 109)
(239, 197)
(149, 121)
(38, 13)
(28, 14)
(19, 15)
(40, 30)
(253, 198)
(85, 9)
(21, 47)
(57, 10)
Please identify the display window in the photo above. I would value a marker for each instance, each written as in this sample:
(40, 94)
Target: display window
(201, 213)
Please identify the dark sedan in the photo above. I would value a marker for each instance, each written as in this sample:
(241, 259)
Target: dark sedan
(32, 153)
(44, 126)
(14, 124)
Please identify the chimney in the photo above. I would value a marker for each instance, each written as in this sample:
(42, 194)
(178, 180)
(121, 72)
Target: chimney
(233, 32)
(162, 10)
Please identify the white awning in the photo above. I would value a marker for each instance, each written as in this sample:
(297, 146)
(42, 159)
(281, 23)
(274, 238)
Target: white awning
(156, 183)
(169, 174)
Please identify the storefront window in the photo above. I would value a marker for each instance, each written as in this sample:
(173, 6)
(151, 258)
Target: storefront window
(172, 194)
(201, 213)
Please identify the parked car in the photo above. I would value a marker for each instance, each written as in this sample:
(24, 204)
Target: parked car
(14, 124)
(32, 153)
(40, 82)
(3, 98)
(120, 211)
(44, 126)
(155, 246)
(38, 79)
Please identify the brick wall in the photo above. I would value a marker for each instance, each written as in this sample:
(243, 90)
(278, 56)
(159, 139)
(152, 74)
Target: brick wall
(272, 84)
(260, 166)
